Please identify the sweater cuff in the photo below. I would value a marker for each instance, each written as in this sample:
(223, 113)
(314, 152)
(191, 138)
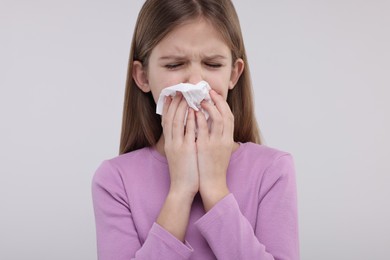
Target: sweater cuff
(183, 249)
(220, 210)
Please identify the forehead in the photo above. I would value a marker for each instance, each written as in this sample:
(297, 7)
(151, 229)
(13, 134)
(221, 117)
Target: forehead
(198, 35)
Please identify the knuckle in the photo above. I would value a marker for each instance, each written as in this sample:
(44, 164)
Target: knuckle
(230, 116)
(218, 120)
(177, 123)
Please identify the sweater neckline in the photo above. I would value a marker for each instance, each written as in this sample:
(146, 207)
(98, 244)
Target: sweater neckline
(156, 155)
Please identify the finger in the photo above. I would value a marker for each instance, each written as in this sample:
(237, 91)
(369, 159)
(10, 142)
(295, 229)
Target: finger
(164, 118)
(220, 103)
(190, 126)
(170, 114)
(215, 118)
(178, 121)
(225, 111)
(203, 130)
(167, 102)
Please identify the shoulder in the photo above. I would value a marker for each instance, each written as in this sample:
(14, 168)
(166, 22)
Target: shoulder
(272, 165)
(267, 162)
(112, 170)
(262, 154)
(277, 166)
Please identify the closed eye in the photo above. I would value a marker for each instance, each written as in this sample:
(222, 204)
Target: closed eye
(213, 65)
(173, 66)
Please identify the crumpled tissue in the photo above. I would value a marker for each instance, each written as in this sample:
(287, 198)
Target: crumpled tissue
(193, 94)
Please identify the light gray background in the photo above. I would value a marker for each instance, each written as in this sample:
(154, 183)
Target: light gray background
(321, 72)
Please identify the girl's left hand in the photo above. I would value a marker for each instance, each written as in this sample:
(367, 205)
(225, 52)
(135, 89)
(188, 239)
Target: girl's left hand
(214, 149)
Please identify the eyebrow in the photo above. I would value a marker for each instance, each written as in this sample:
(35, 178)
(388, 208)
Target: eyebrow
(178, 57)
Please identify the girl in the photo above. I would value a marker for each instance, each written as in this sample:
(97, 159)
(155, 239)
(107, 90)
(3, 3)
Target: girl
(176, 194)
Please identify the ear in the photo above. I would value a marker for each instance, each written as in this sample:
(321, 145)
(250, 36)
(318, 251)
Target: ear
(237, 70)
(140, 76)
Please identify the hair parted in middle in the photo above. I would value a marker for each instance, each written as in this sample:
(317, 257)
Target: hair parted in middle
(141, 126)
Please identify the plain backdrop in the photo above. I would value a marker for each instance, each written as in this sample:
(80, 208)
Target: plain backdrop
(321, 77)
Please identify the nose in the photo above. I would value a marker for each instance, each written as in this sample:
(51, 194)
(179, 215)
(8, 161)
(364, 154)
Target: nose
(194, 74)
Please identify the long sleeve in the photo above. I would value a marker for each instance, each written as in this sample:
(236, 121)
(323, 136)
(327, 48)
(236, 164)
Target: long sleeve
(275, 236)
(117, 236)
(257, 220)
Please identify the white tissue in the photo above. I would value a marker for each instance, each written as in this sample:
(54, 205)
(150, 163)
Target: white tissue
(193, 94)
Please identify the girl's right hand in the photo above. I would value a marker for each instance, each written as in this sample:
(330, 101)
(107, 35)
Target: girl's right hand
(180, 147)
(180, 150)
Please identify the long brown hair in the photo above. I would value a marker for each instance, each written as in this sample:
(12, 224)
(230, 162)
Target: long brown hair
(141, 126)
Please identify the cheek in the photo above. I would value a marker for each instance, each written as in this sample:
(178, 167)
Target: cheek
(163, 78)
(219, 83)
(160, 80)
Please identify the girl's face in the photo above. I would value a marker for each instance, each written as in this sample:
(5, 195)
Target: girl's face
(192, 52)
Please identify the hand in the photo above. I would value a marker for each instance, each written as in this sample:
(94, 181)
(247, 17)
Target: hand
(180, 147)
(180, 150)
(214, 147)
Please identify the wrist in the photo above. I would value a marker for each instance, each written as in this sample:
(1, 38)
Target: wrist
(175, 213)
(211, 196)
(180, 196)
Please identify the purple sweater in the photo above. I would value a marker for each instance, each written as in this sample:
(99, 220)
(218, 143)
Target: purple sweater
(257, 220)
